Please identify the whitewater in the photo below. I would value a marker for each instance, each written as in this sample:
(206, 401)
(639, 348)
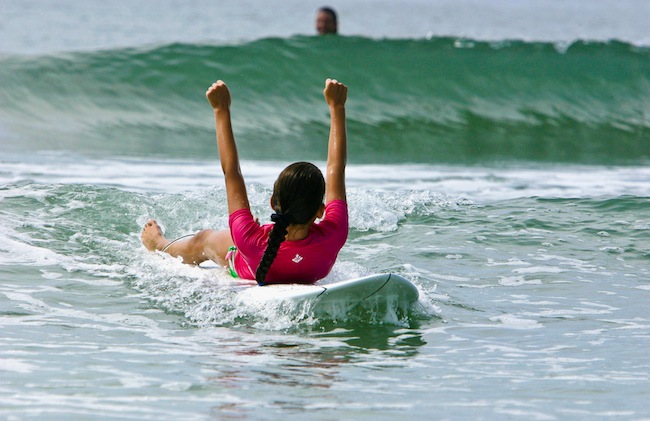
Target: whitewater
(498, 159)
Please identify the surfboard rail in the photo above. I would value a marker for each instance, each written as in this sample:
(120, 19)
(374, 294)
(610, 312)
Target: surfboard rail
(379, 287)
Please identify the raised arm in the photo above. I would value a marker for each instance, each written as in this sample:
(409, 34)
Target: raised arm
(219, 97)
(336, 94)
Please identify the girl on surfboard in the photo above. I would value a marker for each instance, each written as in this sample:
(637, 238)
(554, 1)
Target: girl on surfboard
(295, 248)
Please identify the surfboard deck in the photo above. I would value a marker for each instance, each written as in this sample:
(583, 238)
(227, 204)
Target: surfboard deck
(378, 289)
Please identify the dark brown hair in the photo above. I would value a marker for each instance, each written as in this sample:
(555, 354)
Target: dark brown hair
(297, 196)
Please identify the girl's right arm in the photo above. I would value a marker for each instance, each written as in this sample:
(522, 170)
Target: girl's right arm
(336, 94)
(219, 97)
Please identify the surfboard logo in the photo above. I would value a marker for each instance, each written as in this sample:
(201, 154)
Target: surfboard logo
(297, 259)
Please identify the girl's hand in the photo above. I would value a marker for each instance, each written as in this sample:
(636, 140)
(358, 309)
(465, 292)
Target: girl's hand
(335, 93)
(218, 95)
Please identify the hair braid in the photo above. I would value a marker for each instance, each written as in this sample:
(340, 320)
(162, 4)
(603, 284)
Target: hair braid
(297, 196)
(276, 237)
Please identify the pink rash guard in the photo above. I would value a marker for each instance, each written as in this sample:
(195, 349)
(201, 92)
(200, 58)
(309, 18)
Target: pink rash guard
(303, 261)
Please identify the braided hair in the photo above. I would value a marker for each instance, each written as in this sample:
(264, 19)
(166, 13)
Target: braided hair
(297, 196)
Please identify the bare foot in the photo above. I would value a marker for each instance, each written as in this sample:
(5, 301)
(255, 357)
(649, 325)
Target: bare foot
(152, 236)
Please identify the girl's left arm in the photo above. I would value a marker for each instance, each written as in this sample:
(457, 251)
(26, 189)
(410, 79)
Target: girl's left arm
(336, 94)
(219, 97)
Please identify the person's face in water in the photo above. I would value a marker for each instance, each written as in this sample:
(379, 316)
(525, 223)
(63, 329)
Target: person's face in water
(325, 23)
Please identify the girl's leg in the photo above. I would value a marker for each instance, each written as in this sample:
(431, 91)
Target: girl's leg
(205, 245)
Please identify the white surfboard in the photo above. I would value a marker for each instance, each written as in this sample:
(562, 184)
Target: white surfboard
(378, 290)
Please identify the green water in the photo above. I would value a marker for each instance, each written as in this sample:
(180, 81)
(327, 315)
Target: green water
(425, 101)
(507, 179)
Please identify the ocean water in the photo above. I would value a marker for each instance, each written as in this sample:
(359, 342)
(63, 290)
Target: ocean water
(498, 158)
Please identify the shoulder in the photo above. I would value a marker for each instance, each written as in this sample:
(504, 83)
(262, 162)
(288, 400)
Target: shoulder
(240, 215)
(335, 222)
(243, 226)
(336, 210)
(338, 205)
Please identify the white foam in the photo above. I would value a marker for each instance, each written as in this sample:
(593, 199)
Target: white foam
(16, 366)
(429, 184)
(514, 322)
(517, 281)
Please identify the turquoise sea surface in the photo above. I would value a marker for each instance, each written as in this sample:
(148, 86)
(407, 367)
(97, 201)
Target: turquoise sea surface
(498, 159)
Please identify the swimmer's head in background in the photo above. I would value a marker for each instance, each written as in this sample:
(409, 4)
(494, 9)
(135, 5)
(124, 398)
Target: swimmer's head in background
(326, 21)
